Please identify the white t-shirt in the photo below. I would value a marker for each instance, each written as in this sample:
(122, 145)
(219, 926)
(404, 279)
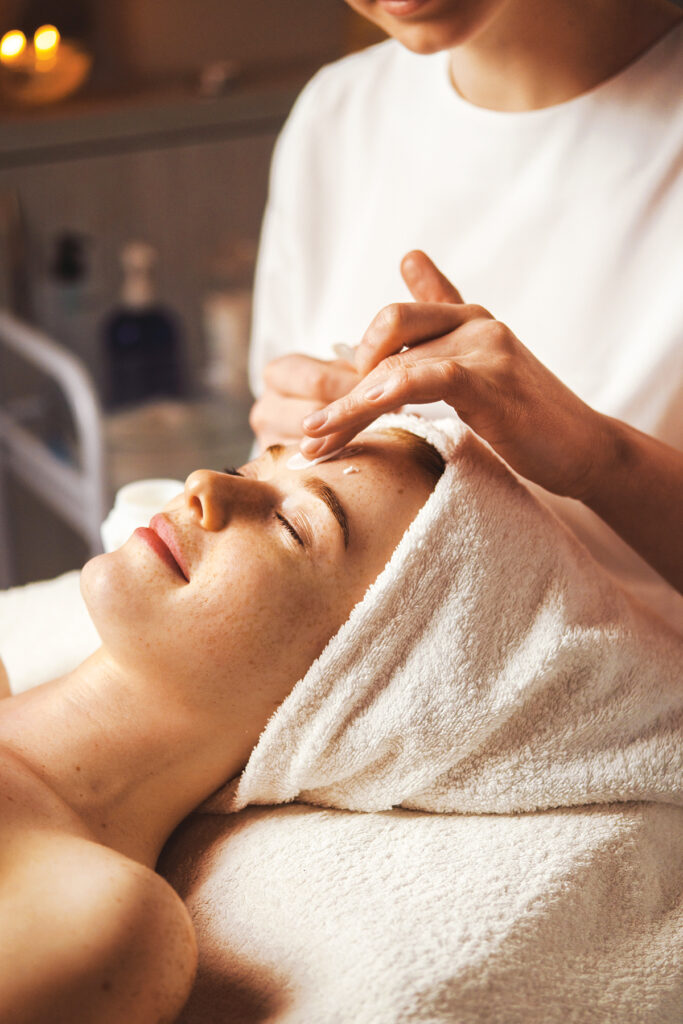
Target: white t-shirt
(566, 223)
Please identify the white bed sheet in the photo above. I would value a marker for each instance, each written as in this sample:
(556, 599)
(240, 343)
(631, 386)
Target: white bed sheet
(304, 914)
(45, 630)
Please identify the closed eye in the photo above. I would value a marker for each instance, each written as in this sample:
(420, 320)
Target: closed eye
(231, 471)
(288, 526)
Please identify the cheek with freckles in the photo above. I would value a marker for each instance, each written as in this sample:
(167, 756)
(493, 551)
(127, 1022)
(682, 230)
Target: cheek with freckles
(249, 609)
(122, 591)
(265, 621)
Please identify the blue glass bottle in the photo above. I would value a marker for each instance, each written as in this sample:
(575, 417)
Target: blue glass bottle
(141, 343)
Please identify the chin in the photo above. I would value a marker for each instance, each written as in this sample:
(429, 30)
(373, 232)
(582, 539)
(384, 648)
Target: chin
(107, 593)
(123, 605)
(425, 41)
(443, 26)
(91, 575)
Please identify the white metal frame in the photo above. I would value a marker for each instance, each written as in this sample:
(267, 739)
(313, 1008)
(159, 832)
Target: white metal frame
(78, 495)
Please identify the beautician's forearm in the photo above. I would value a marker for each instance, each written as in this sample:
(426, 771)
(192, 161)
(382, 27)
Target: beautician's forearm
(639, 493)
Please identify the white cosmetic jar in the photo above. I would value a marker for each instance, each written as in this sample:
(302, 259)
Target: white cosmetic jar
(134, 505)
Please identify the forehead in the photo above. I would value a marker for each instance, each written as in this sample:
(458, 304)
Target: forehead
(373, 453)
(375, 478)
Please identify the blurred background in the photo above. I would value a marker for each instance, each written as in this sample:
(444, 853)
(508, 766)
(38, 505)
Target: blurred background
(135, 141)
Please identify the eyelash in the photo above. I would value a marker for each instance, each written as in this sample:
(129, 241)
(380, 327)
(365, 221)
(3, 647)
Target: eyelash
(231, 471)
(288, 526)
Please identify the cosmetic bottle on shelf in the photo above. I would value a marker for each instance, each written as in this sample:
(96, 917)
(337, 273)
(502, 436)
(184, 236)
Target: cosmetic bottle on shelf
(141, 343)
(226, 321)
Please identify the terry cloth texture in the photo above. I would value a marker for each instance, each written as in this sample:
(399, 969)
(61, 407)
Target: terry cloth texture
(492, 667)
(306, 915)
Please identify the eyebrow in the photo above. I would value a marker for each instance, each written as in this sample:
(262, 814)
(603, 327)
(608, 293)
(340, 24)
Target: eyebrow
(321, 490)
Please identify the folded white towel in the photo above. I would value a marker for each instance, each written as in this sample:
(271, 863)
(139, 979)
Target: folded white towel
(493, 666)
(306, 915)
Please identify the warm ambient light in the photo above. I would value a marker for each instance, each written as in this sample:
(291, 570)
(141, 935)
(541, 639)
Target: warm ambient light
(12, 45)
(46, 41)
(44, 70)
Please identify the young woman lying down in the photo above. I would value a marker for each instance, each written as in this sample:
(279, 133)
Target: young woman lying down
(207, 620)
(404, 625)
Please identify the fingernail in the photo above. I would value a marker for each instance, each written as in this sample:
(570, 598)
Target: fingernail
(315, 420)
(311, 445)
(374, 392)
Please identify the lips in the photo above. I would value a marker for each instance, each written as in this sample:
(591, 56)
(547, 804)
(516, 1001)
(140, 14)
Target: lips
(399, 8)
(160, 537)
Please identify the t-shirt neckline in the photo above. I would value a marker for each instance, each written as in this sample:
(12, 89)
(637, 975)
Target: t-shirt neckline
(520, 117)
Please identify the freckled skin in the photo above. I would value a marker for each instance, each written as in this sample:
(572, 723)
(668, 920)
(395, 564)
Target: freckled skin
(97, 768)
(249, 579)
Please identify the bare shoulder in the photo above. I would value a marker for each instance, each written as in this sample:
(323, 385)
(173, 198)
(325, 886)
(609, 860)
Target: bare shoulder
(93, 936)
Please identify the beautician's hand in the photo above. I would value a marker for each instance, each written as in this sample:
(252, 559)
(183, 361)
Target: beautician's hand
(296, 385)
(460, 354)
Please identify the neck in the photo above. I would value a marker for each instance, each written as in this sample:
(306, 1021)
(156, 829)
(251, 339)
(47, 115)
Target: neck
(129, 762)
(537, 53)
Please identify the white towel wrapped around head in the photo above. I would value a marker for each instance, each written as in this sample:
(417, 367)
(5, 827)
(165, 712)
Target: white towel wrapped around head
(492, 667)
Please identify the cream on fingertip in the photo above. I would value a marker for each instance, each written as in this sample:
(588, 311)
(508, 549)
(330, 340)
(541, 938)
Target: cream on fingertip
(344, 351)
(299, 461)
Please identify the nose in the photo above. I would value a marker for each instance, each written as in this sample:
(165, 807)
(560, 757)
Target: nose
(205, 499)
(212, 498)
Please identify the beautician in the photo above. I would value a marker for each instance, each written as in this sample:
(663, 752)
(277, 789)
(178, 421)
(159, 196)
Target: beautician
(532, 149)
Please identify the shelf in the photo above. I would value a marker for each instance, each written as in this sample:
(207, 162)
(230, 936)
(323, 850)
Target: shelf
(153, 119)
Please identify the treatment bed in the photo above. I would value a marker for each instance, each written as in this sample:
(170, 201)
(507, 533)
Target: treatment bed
(315, 915)
(305, 914)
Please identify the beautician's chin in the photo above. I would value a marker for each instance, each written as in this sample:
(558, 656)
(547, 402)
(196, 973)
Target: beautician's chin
(430, 26)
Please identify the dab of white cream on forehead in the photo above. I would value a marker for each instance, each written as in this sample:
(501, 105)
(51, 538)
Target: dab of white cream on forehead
(298, 461)
(350, 469)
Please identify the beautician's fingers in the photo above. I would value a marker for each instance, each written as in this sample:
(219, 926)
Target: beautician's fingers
(425, 280)
(428, 286)
(541, 428)
(275, 418)
(398, 382)
(400, 379)
(296, 385)
(300, 376)
(412, 323)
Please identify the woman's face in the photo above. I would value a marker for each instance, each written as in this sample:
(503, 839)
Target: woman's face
(221, 598)
(427, 26)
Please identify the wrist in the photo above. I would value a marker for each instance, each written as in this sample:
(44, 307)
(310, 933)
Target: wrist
(613, 455)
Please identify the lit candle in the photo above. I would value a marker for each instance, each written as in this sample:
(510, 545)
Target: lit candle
(12, 45)
(46, 43)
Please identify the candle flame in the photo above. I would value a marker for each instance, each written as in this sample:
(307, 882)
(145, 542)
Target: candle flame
(12, 44)
(46, 40)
